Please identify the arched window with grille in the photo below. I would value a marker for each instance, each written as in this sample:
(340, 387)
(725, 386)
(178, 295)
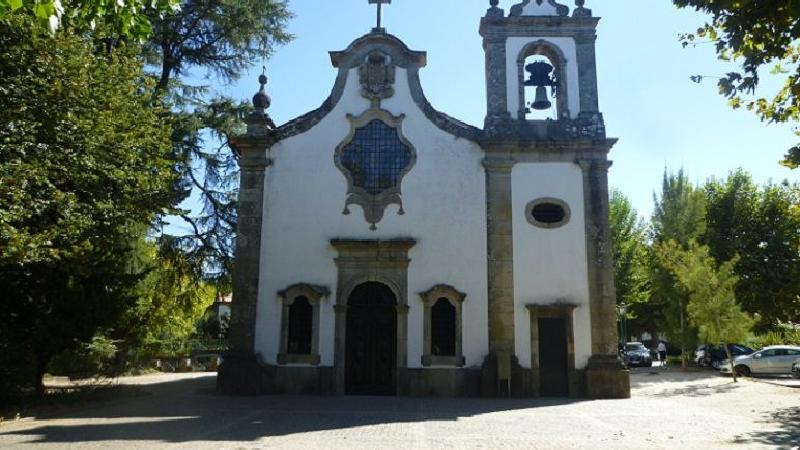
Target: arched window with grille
(443, 328)
(300, 324)
(442, 332)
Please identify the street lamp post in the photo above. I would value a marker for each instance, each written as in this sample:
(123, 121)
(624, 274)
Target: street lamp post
(623, 312)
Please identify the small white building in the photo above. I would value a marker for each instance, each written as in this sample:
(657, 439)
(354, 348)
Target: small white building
(387, 248)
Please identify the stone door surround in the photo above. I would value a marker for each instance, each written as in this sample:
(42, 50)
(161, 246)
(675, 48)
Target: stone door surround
(360, 261)
(558, 310)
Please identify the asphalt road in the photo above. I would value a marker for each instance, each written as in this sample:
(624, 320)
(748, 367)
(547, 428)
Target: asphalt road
(668, 409)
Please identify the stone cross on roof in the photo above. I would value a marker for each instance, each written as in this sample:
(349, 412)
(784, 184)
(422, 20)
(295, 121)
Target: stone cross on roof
(380, 3)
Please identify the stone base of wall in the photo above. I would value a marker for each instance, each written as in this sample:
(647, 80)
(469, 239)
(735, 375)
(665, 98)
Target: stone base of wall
(606, 378)
(240, 375)
(246, 376)
(435, 382)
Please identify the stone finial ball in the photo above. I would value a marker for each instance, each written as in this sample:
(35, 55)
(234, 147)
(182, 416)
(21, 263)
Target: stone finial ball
(262, 79)
(494, 2)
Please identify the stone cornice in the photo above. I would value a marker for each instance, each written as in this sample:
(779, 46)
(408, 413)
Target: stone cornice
(550, 26)
(372, 245)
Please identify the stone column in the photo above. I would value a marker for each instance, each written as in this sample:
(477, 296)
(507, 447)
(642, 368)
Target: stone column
(494, 45)
(587, 72)
(500, 265)
(340, 362)
(402, 348)
(606, 378)
(240, 372)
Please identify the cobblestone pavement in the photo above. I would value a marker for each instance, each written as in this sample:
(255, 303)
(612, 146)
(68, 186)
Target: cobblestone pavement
(668, 409)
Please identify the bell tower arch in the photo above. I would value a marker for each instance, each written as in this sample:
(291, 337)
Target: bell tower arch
(517, 47)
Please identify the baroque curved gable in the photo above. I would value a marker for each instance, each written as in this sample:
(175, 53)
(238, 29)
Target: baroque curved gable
(356, 55)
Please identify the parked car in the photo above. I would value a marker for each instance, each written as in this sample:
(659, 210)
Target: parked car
(773, 360)
(637, 355)
(712, 355)
(796, 369)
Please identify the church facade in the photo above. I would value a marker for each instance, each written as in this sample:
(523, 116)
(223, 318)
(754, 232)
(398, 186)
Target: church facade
(387, 248)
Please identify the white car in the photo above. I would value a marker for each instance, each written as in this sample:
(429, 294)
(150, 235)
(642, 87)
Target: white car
(773, 360)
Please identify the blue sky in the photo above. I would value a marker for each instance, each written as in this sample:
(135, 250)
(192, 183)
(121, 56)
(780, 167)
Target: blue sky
(661, 118)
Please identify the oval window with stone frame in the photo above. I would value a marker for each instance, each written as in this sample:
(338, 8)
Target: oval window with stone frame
(547, 213)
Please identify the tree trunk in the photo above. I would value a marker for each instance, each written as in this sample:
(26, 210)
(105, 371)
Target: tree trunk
(730, 361)
(40, 367)
(684, 365)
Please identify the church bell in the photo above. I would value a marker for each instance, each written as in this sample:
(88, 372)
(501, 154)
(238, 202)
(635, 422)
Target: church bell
(541, 77)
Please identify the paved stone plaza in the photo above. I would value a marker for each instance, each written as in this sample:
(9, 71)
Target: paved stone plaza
(667, 410)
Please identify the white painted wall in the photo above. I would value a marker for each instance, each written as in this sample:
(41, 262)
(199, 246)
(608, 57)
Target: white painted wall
(514, 46)
(550, 264)
(444, 199)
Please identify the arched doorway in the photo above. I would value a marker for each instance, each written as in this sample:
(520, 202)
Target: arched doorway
(371, 341)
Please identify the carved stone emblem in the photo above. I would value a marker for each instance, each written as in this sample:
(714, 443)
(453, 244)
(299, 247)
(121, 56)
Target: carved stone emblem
(377, 77)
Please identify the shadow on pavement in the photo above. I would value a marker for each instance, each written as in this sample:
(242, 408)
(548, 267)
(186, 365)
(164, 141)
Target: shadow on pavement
(787, 436)
(190, 410)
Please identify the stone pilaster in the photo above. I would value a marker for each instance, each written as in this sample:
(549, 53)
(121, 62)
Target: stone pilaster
(240, 372)
(587, 71)
(494, 46)
(606, 378)
(340, 311)
(500, 264)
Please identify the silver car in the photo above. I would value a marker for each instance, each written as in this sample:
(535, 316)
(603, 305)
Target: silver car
(773, 360)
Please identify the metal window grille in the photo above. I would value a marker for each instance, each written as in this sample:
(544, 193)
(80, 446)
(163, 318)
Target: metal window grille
(376, 157)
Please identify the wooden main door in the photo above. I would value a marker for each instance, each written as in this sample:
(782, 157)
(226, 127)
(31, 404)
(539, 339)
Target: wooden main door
(553, 357)
(371, 341)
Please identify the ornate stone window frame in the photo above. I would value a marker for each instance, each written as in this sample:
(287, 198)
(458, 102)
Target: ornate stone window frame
(539, 201)
(559, 310)
(559, 61)
(314, 294)
(374, 205)
(429, 298)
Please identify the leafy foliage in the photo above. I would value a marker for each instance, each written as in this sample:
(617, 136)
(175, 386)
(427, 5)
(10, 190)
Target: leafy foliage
(679, 217)
(679, 213)
(169, 301)
(712, 305)
(85, 160)
(784, 334)
(758, 37)
(761, 227)
(221, 38)
(629, 240)
(127, 18)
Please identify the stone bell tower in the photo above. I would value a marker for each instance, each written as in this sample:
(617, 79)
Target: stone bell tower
(542, 111)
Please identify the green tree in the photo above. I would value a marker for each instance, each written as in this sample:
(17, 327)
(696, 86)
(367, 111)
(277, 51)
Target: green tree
(121, 18)
(679, 216)
(759, 225)
(170, 301)
(759, 37)
(85, 160)
(710, 288)
(219, 38)
(629, 240)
